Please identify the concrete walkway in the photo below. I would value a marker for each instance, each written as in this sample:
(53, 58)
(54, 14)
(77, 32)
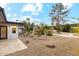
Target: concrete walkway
(10, 46)
(67, 35)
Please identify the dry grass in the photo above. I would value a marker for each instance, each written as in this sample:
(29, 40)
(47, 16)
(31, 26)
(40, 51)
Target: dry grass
(37, 46)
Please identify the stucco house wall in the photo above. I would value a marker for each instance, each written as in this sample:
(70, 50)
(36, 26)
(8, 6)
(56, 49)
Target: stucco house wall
(10, 34)
(20, 29)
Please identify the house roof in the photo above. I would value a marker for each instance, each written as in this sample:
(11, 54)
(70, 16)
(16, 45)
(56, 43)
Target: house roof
(4, 16)
(9, 22)
(2, 13)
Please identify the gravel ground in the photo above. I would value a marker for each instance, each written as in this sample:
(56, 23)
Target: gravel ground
(37, 46)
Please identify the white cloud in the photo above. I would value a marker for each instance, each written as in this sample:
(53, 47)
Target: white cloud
(45, 18)
(37, 1)
(25, 17)
(28, 7)
(35, 13)
(8, 15)
(8, 8)
(3, 5)
(14, 19)
(68, 5)
(11, 15)
(39, 6)
(35, 9)
(15, 15)
(36, 21)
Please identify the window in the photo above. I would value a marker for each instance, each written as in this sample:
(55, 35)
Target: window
(13, 30)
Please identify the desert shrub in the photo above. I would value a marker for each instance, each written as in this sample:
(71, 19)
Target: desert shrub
(66, 28)
(49, 33)
(44, 30)
(35, 32)
(47, 27)
(58, 29)
(75, 30)
(39, 31)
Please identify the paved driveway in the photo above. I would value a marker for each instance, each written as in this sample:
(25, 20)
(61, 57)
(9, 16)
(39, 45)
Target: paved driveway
(11, 46)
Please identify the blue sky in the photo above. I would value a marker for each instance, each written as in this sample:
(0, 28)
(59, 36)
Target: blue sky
(37, 12)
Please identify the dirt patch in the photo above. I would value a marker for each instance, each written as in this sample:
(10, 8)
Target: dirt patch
(62, 46)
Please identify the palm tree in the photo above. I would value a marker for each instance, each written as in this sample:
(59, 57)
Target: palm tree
(58, 14)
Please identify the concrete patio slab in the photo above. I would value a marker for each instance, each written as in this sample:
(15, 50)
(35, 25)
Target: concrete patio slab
(10, 46)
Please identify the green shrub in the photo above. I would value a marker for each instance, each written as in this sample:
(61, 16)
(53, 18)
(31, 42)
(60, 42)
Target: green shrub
(49, 33)
(75, 30)
(45, 30)
(47, 27)
(66, 28)
(58, 29)
(35, 32)
(39, 31)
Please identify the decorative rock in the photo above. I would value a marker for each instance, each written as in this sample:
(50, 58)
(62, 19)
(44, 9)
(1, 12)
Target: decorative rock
(27, 41)
(51, 46)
